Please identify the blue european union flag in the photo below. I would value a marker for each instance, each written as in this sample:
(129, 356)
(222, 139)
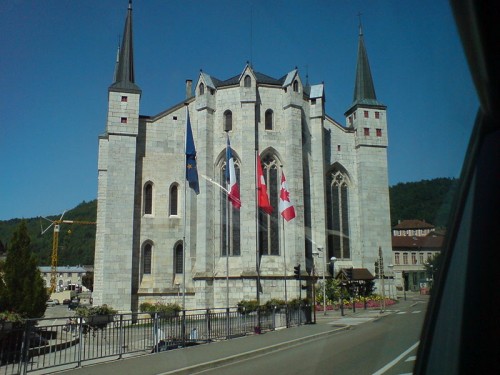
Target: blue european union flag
(191, 170)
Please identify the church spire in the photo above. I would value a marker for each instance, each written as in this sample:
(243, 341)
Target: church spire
(124, 74)
(364, 90)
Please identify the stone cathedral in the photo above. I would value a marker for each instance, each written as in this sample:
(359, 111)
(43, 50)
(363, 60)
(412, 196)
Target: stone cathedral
(157, 240)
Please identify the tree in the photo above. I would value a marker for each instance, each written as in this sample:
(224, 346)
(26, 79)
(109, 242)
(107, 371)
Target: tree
(88, 281)
(22, 288)
(432, 266)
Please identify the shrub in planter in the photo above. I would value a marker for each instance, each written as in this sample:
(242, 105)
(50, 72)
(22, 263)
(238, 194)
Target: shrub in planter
(163, 310)
(274, 304)
(295, 303)
(9, 319)
(246, 307)
(97, 316)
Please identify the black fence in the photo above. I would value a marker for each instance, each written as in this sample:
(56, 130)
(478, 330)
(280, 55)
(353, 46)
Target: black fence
(72, 342)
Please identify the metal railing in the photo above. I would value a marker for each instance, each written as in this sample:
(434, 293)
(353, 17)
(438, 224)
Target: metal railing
(71, 342)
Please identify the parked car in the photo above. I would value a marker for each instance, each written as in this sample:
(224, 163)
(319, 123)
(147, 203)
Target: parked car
(66, 301)
(73, 304)
(51, 302)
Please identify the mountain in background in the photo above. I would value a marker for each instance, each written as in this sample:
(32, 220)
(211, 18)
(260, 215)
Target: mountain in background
(428, 200)
(76, 241)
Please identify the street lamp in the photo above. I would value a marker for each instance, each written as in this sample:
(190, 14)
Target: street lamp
(391, 284)
(403, 274)
(332, 261)
(320, 249)
(178, 291)
(432, 276)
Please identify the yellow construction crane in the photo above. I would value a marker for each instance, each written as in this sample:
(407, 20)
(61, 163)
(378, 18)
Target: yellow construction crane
(55, 245)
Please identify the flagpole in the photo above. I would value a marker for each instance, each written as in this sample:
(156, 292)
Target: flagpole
(184, 253)
(184, 247)
(227, 245)
(257, 251)
(287, 212)
(284, 259)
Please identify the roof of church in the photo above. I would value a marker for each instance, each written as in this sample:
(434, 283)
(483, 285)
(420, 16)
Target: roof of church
(124, 74)
(364, 89)
(261, 78)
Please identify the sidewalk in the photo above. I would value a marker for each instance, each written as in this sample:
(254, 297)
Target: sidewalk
(187, 360)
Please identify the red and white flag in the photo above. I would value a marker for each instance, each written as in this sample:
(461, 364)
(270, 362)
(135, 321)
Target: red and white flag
(286, 207)
(262, 197)
(233, 189)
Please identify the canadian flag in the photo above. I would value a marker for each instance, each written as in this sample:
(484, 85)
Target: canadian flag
(263, 198)
(232, 185)
(286, 207)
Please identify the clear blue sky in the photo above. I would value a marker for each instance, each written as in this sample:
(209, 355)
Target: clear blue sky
(57, 59)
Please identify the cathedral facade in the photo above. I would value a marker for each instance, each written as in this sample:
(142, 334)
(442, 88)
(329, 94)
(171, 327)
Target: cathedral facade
(157, 240)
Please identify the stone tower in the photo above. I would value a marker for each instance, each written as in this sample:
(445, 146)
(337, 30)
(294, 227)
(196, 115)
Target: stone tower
(116, 196)
(367, 116)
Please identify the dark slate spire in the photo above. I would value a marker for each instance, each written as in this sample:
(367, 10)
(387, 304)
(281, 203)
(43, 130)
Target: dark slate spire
(364, 90)
(124, 74)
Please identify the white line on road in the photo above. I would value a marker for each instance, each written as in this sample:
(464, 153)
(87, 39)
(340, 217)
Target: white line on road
(416, 312)
(396, 360)
(411, 358)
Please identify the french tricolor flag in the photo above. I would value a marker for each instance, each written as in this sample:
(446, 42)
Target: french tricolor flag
(232, 185)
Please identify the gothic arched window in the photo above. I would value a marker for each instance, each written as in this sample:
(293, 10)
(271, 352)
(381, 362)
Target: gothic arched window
(228, 121)
(147, 253)
(269, 236)
(296, 86)
(179, 258)
(269, 119)
(229, 217)
(201, 89)
(174, 200)
(248, 81)
(148, 198)
(337, 199)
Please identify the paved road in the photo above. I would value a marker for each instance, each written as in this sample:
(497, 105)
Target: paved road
(195, 359)
(364, 349)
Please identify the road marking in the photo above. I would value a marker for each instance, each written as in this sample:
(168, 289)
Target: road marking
(401, 312)
(351, 321)
(411, 358)
(416, 312)
(395, 360)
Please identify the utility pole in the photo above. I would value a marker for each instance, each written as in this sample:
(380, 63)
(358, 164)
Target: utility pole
(381, 273)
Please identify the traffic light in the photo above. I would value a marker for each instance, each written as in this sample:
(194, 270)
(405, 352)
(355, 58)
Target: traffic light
(405, 279)
(348, 273)
(296, 271)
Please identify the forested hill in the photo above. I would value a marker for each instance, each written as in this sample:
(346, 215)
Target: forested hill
(76, 241)
(428, 200)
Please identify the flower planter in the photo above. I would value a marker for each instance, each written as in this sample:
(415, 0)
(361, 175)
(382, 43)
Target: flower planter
(98, 320)
(6, 326)
(163, 315)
